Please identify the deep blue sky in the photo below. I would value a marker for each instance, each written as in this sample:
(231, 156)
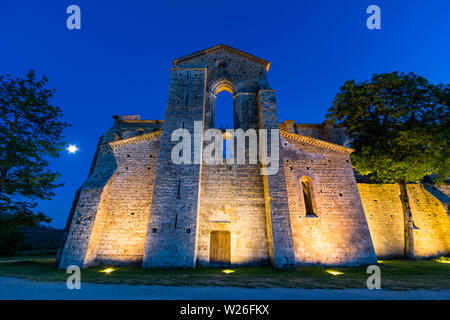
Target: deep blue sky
(118, 63)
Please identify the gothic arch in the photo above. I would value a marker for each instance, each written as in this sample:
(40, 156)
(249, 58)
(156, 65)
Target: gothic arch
(223, 85)
(219, 85)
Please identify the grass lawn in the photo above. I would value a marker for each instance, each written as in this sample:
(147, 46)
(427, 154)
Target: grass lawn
(395, 274)
(27, 258)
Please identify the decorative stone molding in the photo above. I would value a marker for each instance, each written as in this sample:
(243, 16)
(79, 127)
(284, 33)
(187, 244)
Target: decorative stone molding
(222, 47)
(316, 142)
(120, 143)
(141, 121)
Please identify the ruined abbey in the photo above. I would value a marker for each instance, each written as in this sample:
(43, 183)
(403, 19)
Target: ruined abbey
(138, 207)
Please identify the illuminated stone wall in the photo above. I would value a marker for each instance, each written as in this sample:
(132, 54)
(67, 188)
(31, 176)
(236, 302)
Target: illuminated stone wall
(433, 236)
(385, 218)
(384, 215)
(101, 227)
(173, 222)
(173, 239)
(109, 219)
(123, 226)
(87, 206)
(338, 234)
(232, 199)
(138, 206)
(445, 189)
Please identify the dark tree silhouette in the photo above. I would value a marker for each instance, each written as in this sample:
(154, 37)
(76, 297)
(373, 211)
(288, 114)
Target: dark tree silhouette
(30, 134)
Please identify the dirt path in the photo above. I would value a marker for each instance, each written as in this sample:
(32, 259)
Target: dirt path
(15, 288)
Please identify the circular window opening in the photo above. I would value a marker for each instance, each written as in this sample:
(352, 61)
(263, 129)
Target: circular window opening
(221, 64)
(140, 132)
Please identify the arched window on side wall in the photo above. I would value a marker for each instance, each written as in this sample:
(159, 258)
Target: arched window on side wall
(308, 197)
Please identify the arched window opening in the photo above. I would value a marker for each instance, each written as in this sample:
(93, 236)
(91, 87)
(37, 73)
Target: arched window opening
(308, 197)
(347, 143)
(221, 64)
(224, 110)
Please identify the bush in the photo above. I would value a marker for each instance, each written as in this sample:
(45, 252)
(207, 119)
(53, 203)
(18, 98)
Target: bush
(11, 239)
(41, 238)
(15, 239)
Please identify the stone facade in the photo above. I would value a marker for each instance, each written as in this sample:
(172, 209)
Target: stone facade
(138, 207)
(228, 191)
(385, 218)
(338, 233)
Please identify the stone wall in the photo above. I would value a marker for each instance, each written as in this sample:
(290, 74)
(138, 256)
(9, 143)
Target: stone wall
(171, 236)
(338, 233)
(88, 204)
(445, 189)
(232, 199)
(123, 230)
(281, 247)
(138, 206)
(236, 72)
(322, 131)
(433, 235)
(89, 215)
(384, 215)
(385, 218)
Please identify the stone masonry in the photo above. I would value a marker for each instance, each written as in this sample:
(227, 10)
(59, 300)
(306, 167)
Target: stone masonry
(138, 207)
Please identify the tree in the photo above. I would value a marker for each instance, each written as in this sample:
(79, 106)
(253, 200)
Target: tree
(30, 134)
(399, 127)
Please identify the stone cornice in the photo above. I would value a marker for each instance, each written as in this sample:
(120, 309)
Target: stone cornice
(224, 47)
(142, 121)
(187, 68)
(316, 142)
(140, 138)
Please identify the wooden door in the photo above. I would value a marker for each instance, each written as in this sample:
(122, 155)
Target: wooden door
(219, 250)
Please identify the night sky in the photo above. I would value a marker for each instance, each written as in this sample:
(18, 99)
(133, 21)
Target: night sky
(118, 63)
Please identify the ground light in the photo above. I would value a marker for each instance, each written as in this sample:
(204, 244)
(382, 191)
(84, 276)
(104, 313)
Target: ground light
(380, 261)
(334, 272)
(443, 260)
(228, 271)
(107, 270)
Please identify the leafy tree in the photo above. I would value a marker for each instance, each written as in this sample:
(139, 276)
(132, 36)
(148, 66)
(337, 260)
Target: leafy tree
(30, 134)
(11, 239)
(399, 126)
